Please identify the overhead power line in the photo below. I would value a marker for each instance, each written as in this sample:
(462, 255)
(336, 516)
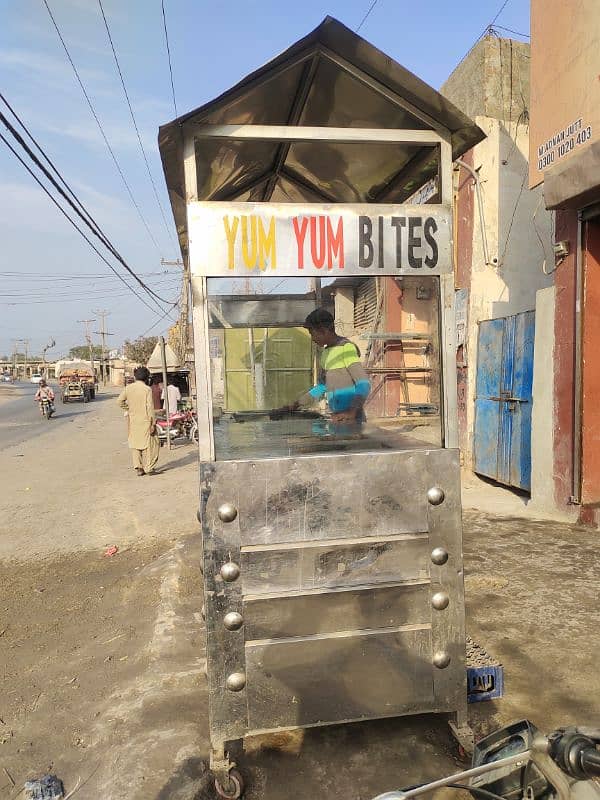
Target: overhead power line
(74, 224)
(486, 29)
(135, 125)
(154, 325)
(164, 16)
(85, 217)
(101, 129)
(367, 15)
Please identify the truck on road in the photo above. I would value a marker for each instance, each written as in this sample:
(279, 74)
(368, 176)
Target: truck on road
(77, 382)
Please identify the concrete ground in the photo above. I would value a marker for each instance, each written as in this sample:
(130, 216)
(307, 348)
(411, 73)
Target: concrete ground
(103, 657)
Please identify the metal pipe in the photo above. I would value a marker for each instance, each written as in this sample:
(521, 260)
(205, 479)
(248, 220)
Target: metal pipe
(458, 777)
(163, 359)
(578, 393)
(475, 175)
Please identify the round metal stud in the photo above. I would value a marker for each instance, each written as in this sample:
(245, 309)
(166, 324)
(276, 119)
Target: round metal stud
(435, 495)
(227, 512)
(236, 681)
(439, 556)
(440, 601)
(233, 621)
(230, 571)
(441, 659)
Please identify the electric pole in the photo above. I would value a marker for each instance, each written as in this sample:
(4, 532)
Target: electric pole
(88, 337)
(49, 346)
(26, 343)
(16, 343)
(184, 305)
(103, 333)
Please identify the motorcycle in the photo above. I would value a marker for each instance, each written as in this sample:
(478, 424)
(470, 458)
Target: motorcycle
(47, 407)
(520, 763)
(181, 424)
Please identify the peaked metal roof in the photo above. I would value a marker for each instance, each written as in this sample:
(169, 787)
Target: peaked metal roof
(330, 78)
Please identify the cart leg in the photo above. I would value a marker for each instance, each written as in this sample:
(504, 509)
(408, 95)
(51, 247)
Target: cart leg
(462, 731)
(228, 781)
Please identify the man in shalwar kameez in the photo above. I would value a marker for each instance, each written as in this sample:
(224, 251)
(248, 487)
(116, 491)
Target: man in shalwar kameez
(136, 400)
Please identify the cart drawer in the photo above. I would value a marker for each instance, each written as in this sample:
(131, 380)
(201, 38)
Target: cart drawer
(339, 677)
(324, 497)
(325, 611)
(354, 562)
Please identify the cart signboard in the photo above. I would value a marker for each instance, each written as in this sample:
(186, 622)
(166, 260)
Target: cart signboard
(333, 240)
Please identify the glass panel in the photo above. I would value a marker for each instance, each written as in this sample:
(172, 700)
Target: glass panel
(365, 376)
(338, 99)
(349, 173)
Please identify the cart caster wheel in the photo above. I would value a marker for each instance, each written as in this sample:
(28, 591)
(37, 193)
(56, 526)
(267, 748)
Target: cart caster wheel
(234, 789)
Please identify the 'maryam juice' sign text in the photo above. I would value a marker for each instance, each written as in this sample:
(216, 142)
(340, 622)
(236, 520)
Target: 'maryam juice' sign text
(287, 240)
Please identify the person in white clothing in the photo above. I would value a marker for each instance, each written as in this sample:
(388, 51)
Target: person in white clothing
(173, 394)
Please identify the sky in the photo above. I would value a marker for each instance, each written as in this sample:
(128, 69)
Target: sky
(49, 277)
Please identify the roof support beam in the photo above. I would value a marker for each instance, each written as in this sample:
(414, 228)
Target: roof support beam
(416, 163)
(295, 114)
(300, 133)
(302, 183)
(399, 101)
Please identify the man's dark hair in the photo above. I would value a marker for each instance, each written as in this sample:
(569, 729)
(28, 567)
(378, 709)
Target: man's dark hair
(318, 319)
(141, 374)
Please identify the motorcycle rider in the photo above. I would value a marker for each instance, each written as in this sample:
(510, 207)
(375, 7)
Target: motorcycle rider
(44, 392)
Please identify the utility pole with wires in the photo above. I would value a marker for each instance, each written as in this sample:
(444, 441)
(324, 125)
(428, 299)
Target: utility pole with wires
(88, 337)
(49, 346)
(184, 306)
(103, 333)
(16, 343)
(26, 344)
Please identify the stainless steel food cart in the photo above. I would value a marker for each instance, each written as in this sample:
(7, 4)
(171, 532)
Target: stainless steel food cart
(332, 562)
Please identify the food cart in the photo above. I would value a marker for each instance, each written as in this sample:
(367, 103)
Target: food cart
(332, 559)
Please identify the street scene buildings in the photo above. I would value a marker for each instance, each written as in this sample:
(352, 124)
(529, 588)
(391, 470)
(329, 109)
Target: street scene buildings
(357, 380)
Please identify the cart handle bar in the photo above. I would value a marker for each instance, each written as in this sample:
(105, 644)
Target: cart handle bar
(458, 777)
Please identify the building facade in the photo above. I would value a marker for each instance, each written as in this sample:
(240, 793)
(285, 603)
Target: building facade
(502, 236)
(565, 164)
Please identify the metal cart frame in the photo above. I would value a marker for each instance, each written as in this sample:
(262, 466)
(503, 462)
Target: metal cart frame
(278, 532)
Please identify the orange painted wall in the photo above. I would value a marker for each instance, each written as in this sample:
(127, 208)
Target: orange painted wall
(590, 493)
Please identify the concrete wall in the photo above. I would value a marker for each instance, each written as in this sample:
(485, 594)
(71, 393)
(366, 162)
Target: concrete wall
(492, 86)
(542, 427)
(508, 285)
(492, 81)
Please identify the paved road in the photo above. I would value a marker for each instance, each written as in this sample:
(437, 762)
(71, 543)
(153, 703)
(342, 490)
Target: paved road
(20, 419)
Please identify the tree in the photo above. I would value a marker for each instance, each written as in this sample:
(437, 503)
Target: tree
(140, 349)
(82, 351)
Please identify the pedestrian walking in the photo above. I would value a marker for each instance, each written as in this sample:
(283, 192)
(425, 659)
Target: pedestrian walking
(173, 395)
(157, 388)
(136, 401)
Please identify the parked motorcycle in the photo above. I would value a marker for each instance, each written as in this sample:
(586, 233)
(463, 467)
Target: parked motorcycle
(519, 763)
(182, 424)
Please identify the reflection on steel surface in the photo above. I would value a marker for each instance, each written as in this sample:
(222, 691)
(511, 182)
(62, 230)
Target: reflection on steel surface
(350, 675)
(338, 567)
(309, 565)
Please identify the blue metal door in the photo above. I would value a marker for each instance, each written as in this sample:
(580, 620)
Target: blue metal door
(503, 399)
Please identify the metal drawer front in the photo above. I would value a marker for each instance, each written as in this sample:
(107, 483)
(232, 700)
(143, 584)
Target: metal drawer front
(336, 678)
(324, 497)
(312, 565)
(326, 611)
